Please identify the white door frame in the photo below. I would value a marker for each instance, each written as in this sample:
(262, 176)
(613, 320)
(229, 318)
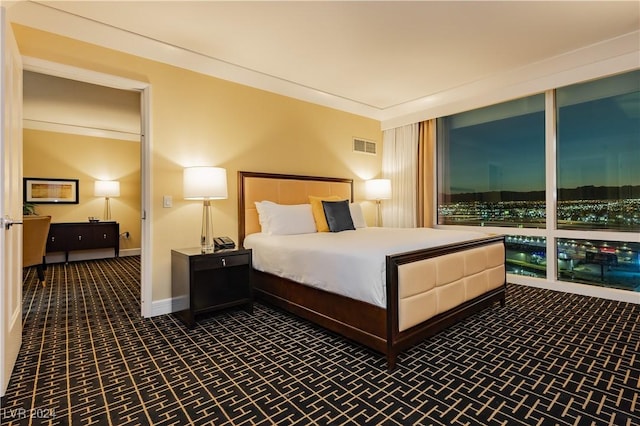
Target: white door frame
(93, 77)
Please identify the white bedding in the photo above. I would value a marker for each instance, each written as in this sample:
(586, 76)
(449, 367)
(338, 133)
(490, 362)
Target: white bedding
(350, 263)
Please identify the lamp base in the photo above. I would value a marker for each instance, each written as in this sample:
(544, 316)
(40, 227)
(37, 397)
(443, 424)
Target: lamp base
(206, 236)
(107, 208)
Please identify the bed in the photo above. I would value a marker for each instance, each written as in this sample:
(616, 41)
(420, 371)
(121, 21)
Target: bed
(425, 289)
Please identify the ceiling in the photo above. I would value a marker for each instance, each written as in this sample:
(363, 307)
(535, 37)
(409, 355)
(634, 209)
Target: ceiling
(374, 58)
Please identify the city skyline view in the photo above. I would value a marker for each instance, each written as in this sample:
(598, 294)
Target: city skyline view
(618, 215)
(588, 192)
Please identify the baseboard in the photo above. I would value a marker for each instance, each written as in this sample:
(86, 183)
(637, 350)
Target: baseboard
(162, 307)
(80, 255)
(577, 288)
(130, 252)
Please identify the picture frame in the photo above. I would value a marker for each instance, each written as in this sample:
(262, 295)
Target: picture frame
(51, 191)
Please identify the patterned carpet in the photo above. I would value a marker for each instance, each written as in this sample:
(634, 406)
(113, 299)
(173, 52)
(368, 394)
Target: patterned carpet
(89, 358)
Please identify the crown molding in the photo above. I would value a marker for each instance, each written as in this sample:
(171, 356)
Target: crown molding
(79, 130)
(604, 58)
(613, 56)
(44, 18)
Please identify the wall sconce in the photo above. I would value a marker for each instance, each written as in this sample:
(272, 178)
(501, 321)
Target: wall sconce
(107, 189)
(205, 183)
(378, 190)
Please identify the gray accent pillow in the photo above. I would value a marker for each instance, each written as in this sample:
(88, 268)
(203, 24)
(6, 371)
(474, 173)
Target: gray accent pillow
(338, 215)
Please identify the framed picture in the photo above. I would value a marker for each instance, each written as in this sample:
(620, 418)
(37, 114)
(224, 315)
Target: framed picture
(50, 191)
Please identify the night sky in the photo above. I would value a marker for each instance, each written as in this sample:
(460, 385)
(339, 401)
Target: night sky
(598, 144)
(506, 155)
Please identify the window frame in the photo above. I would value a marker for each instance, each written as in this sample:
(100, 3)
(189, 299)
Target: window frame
(550, 232)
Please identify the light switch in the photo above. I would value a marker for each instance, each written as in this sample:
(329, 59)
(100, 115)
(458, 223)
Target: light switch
(167, 201)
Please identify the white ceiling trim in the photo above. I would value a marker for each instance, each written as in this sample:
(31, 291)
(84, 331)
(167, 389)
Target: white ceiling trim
(607, 57)
(51, 20)
(74, 73)
(79, 130)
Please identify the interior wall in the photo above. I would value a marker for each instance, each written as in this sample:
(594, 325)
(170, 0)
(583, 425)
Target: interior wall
(64, 156)
(80, 106)
(201, 120)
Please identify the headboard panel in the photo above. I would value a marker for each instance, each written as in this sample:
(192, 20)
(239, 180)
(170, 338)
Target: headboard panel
(281, 189)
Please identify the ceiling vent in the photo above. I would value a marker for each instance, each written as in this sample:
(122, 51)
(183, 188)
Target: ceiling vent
(364, 146)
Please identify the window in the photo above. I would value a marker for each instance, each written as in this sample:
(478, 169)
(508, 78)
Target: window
(491, 173)
(603, 263)
(492, 165)
(526, 255)
(599, 154)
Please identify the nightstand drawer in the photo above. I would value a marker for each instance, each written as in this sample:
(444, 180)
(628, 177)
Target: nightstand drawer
(221, 261)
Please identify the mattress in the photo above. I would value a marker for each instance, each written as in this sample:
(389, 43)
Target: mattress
(349, 263)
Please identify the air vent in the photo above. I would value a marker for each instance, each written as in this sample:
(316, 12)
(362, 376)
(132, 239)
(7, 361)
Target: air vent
(364, 146)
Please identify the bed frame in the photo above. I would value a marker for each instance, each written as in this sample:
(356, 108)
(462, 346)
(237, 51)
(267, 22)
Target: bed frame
(427, 290)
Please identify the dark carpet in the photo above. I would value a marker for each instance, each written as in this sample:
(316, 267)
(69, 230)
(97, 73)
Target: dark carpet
(89, 358)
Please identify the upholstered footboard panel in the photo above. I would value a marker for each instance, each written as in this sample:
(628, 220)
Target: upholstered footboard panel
(435, 285)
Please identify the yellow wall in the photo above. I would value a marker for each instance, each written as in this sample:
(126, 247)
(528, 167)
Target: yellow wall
(201, 120)
(66, 156)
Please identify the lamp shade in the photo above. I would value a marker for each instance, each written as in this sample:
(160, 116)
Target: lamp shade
(106, 188)
(204, 183)
(377, 189)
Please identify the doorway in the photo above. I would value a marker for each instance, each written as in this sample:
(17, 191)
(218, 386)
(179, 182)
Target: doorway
(144, 90)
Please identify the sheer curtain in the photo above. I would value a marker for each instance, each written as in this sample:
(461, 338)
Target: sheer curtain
(400, 164)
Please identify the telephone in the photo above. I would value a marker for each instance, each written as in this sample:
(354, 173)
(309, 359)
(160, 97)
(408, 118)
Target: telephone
(223, 243)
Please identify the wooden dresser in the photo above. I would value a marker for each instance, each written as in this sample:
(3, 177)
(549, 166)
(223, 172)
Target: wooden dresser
(70, 236)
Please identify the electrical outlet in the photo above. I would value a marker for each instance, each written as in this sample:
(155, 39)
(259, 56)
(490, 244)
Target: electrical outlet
(167, 201)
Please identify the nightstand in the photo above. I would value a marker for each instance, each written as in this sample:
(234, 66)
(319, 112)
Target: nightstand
(205, 282)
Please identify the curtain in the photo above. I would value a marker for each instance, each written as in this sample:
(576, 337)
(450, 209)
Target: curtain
(400, 164)
(426, 174)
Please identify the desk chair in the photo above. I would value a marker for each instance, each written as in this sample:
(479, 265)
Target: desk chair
(34, 242)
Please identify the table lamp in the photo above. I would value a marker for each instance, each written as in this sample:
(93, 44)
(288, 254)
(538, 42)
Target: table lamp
(205, 183)
(378, 190)
(107, 189)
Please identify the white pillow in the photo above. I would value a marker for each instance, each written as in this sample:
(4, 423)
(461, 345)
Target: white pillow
(357, 216)
(282, 219)
(263, 215)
